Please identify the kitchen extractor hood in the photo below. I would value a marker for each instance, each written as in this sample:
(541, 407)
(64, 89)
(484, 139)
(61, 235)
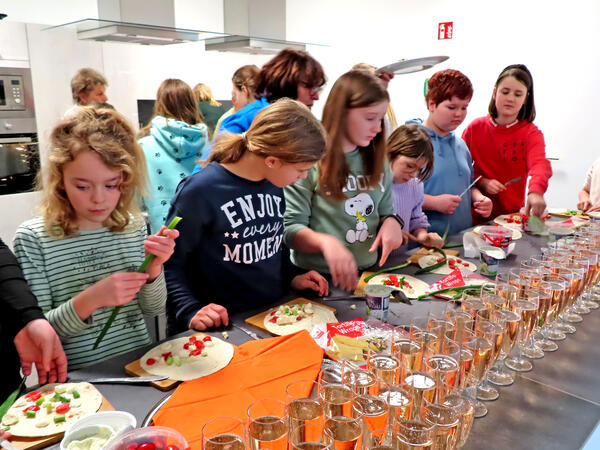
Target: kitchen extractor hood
(254, 26)
(149, 22)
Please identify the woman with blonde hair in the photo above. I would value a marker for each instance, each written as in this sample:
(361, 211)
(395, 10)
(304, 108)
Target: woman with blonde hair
(172, 142)
(209, 107)
(231, 257)
(81, 256)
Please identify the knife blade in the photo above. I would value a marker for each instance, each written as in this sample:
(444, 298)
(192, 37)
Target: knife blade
(122, 380)
(244, 330)
(470, 186)
(514, 180)
(333, 298)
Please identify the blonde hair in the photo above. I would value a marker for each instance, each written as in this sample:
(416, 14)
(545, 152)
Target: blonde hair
(106, 133)
(286, 130)
(390, 114)
(174, 100)
(84, 81)
(246, 76)
(204, 94)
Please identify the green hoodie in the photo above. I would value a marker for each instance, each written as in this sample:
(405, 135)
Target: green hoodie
(354, 221)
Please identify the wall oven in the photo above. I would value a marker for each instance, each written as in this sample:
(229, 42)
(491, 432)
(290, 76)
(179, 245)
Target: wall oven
(19, 151)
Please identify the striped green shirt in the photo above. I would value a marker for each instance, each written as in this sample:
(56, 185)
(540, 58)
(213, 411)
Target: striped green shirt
(59, 269)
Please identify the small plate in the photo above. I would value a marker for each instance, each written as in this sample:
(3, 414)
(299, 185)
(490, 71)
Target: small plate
(412, 65)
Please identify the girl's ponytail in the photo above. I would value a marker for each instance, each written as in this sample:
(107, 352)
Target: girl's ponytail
(229, 148)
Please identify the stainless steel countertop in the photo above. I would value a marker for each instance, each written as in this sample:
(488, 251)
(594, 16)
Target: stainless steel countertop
(555, 406)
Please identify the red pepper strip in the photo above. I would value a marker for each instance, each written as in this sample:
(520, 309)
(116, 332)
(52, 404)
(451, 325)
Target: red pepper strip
(33, 396)
(63, 408)
(207, 339)
(196, 352)
(273, 319)
(31, 408)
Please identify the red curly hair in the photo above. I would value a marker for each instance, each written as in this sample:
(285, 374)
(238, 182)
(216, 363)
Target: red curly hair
(445, 84)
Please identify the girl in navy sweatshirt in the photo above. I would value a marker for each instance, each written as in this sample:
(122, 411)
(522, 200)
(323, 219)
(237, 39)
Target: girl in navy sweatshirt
(230, 255)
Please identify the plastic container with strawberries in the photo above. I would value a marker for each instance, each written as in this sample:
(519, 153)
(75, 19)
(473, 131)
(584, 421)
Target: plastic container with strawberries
(497, 236)
(150, 438)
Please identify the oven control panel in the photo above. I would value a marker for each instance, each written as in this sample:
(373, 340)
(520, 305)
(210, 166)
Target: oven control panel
(12, 97)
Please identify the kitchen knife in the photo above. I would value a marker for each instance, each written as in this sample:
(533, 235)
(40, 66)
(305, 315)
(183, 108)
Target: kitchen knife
(122, 380)
(514, 180)
(470, 186)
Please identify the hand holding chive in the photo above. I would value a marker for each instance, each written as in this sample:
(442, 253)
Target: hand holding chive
(125, 285)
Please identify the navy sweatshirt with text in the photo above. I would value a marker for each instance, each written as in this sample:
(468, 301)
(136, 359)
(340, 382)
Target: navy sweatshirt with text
(230, 249)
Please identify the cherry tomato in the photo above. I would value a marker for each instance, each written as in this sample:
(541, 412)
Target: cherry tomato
(146, 446)
(63, 408)
(150, 361)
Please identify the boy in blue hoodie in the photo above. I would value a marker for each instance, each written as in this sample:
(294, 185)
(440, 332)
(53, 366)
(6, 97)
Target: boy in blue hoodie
(448, 95)
(172, 142)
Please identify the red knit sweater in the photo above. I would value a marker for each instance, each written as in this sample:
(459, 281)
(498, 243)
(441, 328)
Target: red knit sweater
(506, 152)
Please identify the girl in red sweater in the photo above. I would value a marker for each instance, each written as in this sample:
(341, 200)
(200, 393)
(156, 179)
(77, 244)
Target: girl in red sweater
(507, 145)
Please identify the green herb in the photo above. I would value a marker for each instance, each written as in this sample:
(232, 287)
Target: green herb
(39, 401)
(389, 269)
(6, 428)
(64, 399)
(30, 414)
(56, 398)
(537, 226)
(436, 265)
(204, 355)
(446, 232)
(76, 394)
(58, 419)
(142, 269)
(49, 407)
(458, 290)
(11, 399)
(453, 245)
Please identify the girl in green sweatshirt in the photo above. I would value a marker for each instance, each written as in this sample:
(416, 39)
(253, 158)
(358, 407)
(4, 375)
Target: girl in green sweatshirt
(339, 215)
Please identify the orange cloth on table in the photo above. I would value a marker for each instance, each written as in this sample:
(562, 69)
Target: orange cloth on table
(259, 369)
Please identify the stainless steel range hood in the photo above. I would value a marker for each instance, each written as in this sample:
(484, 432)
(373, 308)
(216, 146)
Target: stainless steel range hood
(253, 26)
(147, 22)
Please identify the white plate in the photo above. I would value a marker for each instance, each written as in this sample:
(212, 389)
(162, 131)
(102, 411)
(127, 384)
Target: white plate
(516, 233)
(412, 65)
(429, 260)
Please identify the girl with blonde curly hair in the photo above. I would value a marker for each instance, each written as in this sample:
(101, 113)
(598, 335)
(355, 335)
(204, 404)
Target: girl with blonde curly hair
(81, 255)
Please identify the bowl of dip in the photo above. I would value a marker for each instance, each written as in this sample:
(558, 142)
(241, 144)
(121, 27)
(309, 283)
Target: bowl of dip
(97, 431)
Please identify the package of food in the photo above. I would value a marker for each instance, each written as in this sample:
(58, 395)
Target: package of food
(353, 340)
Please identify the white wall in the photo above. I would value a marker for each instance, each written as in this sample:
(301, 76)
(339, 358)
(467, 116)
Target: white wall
(557, 46)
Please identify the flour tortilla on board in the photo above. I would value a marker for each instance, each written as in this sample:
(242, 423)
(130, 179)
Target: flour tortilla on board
(419, 287)
(430, 260)
(217, 356)
(89, 402)
(320, 315)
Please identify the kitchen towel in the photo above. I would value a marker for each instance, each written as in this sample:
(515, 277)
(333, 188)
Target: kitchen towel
(259, 369)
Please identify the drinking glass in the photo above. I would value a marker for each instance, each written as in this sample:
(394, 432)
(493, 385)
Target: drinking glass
(385, 367)
(414, 434)
(464, 408)
(383, 439)
(310, 437)
(303, 407)
(362, 381)
(446, 418)
(346, 432)
(530, 350)
(443, 367)
(498, 332)
(482, 347)
(268, 425)
(498, 374)
(374, 408)
(336, 398)
(527, 308)
(576, 276)
(420, 386)
(410, 354)
(224, 433)
(400, 403)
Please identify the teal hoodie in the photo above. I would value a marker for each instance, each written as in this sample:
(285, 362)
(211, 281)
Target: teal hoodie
(172, 149)
(452, 174)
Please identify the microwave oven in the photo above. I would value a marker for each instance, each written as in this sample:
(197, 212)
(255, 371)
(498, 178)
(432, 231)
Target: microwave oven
(12, 95)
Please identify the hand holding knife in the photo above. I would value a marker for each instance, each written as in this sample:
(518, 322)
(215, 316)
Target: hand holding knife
(514, 180)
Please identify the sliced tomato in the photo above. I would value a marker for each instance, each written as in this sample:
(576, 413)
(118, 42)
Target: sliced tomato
(166, 355)
(33, 396)
(150, 361)
(196, 352)
(186, 346)
(63, 408)
(273, 319)
(207, 339)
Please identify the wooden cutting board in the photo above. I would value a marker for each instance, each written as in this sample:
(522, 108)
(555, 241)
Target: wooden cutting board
(135, 369)
(258, 320)
(35, 443)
